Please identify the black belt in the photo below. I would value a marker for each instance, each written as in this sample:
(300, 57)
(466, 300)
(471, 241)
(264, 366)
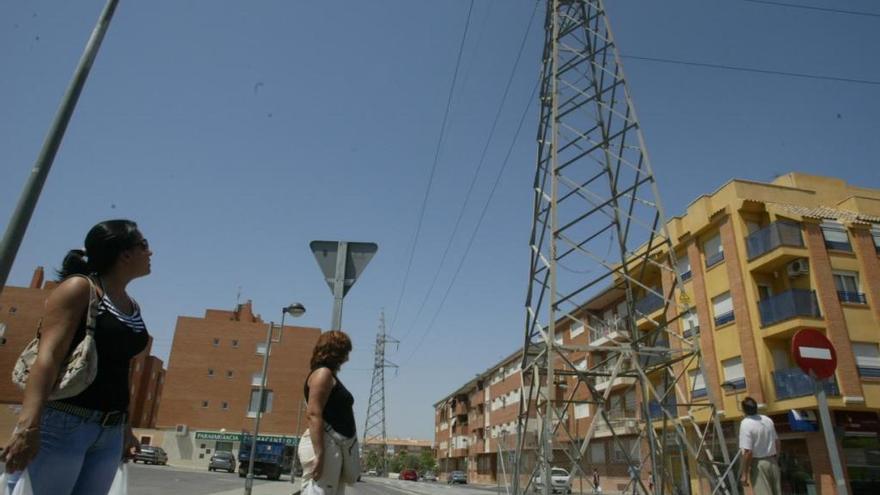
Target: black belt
(104, 418)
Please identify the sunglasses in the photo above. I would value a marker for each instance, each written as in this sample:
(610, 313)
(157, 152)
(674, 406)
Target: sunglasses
(143, 244)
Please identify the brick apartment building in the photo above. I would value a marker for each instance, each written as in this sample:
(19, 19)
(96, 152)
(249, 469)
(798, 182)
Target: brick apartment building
(759, 262)
(21, 309)
(212, 382)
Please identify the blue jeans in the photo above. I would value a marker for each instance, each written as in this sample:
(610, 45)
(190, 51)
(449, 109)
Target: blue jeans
(76, 456)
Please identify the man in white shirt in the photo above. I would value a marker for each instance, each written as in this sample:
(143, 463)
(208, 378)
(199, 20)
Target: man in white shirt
(759, 445)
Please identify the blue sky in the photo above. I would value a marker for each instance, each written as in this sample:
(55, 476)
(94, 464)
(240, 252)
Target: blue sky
(236, 132)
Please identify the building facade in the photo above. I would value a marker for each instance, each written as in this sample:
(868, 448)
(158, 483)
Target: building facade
(759, 262)
(211, 388)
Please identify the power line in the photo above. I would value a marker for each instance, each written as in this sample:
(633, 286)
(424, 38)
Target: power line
(415, 241)
(755, 70)
(820, 9)
(479, 221)
(477, 170)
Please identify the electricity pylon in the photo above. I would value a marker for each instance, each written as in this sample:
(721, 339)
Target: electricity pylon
(374, 430)
(598, 229)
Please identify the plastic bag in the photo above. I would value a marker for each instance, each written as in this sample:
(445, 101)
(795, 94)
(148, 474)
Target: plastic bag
(120, 482)
(22, 487)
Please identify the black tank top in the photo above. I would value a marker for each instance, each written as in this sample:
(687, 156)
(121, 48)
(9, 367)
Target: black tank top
(118, 338)
(339, 410)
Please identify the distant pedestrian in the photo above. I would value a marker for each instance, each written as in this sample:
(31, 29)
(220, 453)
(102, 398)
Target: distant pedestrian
(74, 445)
(597, 486)
(759, 446)
(330, 418)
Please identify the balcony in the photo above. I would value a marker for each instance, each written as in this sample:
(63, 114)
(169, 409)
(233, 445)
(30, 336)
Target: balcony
(619, 425)
(657, 413)
(648, 304)
(792, 382)
(460, 409)
(603, 382)
(691, 332)
(776, 234)
(852, 297)
(789, 304)
(685, 276)
(615, 329)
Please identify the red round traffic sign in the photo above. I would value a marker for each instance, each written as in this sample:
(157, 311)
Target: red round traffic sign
(813, 353)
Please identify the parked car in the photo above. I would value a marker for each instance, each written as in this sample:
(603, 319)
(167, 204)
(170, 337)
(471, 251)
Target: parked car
(409, 475)
(372, 472)
(222, 460)
(151, 455)
(560, 481)
(429, 476)
(456, 477)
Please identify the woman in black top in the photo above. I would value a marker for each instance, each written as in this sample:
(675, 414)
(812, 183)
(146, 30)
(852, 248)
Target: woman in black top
(74, 445)
(330, 416)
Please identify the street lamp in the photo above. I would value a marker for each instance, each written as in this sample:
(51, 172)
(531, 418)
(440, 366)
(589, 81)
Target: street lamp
(295, 310)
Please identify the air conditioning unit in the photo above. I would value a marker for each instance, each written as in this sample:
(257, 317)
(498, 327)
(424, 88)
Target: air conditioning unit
(798, 267)
(181, 430)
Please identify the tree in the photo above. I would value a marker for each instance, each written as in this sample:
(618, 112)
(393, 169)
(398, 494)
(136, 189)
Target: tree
(427, 461)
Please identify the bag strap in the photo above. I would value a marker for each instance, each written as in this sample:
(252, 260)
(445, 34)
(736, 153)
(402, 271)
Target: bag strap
(92, 311)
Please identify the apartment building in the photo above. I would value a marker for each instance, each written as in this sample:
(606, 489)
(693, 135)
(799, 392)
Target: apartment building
(21, 309)
(758, 261)
(211, 389)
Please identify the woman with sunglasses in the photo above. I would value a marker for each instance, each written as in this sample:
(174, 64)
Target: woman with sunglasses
(74, 445)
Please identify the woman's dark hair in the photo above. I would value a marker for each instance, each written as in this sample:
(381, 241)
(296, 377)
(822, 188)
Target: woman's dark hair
(104, 243)
(331, 350)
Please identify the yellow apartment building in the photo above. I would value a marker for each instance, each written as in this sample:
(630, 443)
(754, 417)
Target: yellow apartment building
(758, 261)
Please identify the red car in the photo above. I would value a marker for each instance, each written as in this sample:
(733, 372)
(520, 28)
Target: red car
(409, 475)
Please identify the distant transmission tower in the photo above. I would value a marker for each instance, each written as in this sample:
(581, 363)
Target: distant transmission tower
(374, 430)
(598, 229)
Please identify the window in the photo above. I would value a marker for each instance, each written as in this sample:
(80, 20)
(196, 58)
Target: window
(867, 358)
(622, 309)
(224, 406)
(229, 373)
(581, 411)
(257, 379)
(577, 329)
(723, 309)
(624, 447)
(713, 250)
(690, 323)
(210, 372)
(261, 348)
(216, 342)
(683, 265)
(204, 404)
(235, 343)
(835, 236)
(558, 338)
(698, 384)
(875, 233)
(581, 365)
(847, 284)
(597, 452)
(268, 396)
(734, 373)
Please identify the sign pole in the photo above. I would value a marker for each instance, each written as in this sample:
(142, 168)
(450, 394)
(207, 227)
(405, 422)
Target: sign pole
(830, 442)
(339, 286)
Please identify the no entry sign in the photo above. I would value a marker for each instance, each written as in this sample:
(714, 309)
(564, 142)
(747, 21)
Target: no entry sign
(813, 353)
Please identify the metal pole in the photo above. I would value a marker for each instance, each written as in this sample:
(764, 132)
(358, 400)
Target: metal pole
(830, 441)
(21, 217)
(339, 285)
(249, 482)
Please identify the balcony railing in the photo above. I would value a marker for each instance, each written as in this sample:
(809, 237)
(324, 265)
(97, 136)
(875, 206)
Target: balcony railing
(788, 304)
(690, 332)
(656, 412)
(772, 236)
(685, 276)
(648, 304)
(852, 297)
(600, 329)
(792, 382)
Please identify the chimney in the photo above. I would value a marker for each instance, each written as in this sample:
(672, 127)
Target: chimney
(37, 279)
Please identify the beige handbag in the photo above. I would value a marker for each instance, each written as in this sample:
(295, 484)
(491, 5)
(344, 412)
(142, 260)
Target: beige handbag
(78, 370)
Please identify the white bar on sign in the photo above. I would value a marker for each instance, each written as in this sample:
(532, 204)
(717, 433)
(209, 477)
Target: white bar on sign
(815, 353)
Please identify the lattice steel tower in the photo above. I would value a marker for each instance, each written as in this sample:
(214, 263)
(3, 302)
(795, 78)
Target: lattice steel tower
(599, 238)
(374, 430)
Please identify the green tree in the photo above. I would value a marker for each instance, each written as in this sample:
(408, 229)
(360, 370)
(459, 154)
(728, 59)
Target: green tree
(427, 461)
